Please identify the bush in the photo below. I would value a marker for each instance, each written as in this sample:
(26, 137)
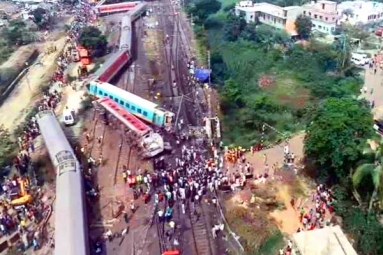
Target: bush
(7, 148)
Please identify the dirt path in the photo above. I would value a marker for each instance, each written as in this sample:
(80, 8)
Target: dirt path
(275, 155)
(16, 106)
(287, 219)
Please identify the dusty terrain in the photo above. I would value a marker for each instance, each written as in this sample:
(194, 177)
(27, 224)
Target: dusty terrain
(16, 105)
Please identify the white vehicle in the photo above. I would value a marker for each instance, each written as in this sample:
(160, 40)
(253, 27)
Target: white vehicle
(68, 117)
(360, 59)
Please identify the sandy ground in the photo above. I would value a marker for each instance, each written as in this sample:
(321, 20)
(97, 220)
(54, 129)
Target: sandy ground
(374, 82)
(15, 107)
(275, 155)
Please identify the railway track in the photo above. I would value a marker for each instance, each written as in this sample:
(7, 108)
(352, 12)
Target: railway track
(202, 245)
(98, 131)
(165, 19)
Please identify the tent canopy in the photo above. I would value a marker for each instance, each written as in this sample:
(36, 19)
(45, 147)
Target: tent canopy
(202, 74)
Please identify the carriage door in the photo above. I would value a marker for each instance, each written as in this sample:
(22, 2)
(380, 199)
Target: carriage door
(156, 118)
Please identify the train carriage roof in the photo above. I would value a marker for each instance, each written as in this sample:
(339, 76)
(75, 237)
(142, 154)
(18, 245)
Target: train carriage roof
(70, 224)
(54, 137)
(128, 119)
(127, 96)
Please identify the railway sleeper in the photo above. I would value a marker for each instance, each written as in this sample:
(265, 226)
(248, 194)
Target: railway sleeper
(201, 236)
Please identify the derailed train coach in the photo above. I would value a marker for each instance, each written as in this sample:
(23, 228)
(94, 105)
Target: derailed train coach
(71, 237)
(138, 11)
(126, 33)
(142, 108)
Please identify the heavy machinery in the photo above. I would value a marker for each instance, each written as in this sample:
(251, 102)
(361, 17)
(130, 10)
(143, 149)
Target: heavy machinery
(19, 195)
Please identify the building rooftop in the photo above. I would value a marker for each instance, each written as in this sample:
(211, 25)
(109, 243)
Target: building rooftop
(361, 5)
(267, 8)
(325, 241)
(317, 5)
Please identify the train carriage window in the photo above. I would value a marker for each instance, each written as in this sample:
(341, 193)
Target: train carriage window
(145, 114)
(64, 156)
(133, 108)
(69, 166)
(127, 105)
(139, 111)
(116, 100)
(121, 102)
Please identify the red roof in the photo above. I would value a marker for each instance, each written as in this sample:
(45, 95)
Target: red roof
(116, 7)
(131, 121)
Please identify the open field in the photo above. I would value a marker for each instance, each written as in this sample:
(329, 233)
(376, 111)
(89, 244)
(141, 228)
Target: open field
(13, 109)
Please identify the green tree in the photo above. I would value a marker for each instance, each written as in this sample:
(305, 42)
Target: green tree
(339, 126)
(40, 17)
(17, 33)
(93, 39)
(249, 33)
(371, 166)
(303, 26)
(201, 9)
(233, 28)
(7, 147)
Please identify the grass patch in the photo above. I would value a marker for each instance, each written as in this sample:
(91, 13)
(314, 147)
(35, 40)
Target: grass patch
(271, 244)
(286, 89)
(259, 235)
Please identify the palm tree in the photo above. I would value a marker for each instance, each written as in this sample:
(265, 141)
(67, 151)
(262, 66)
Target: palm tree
(372, 166)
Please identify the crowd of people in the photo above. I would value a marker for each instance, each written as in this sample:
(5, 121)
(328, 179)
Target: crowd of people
(26, 217)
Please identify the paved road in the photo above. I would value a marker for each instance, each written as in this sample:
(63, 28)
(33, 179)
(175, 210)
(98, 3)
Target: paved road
(373, 90)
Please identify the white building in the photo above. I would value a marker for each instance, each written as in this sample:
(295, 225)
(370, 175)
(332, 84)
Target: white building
(323, 14)
(326, 241)
(272, 15)
(362, 12)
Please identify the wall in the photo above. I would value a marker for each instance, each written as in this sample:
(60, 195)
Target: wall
(323, 27)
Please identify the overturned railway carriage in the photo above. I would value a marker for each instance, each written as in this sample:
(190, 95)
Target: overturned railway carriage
(137, 11)
(126, 33)
(112, 66)
(70, 222)
(151, 142)
(134, 104)
(103, 9)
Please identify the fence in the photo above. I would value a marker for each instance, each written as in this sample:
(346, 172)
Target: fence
(233, 236)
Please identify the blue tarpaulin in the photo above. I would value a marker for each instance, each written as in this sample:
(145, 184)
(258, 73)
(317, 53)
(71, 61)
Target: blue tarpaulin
(202, 74)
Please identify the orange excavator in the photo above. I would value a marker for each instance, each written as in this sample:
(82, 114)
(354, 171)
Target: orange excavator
(22, 197)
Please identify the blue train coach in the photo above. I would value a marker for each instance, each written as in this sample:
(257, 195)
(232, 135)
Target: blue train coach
(136, 105)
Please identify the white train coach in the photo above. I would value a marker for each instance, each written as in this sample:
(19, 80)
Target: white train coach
(70, 220)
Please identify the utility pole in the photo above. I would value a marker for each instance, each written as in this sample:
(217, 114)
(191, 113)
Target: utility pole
(183, 96)
(178, 113)
(208, 64)
(191, 19)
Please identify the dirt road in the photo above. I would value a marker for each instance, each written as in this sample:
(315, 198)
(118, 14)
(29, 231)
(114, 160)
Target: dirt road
(16, 106)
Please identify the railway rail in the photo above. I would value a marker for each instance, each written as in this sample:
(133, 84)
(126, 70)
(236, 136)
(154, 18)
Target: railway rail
(176, 57)
(202, 245)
